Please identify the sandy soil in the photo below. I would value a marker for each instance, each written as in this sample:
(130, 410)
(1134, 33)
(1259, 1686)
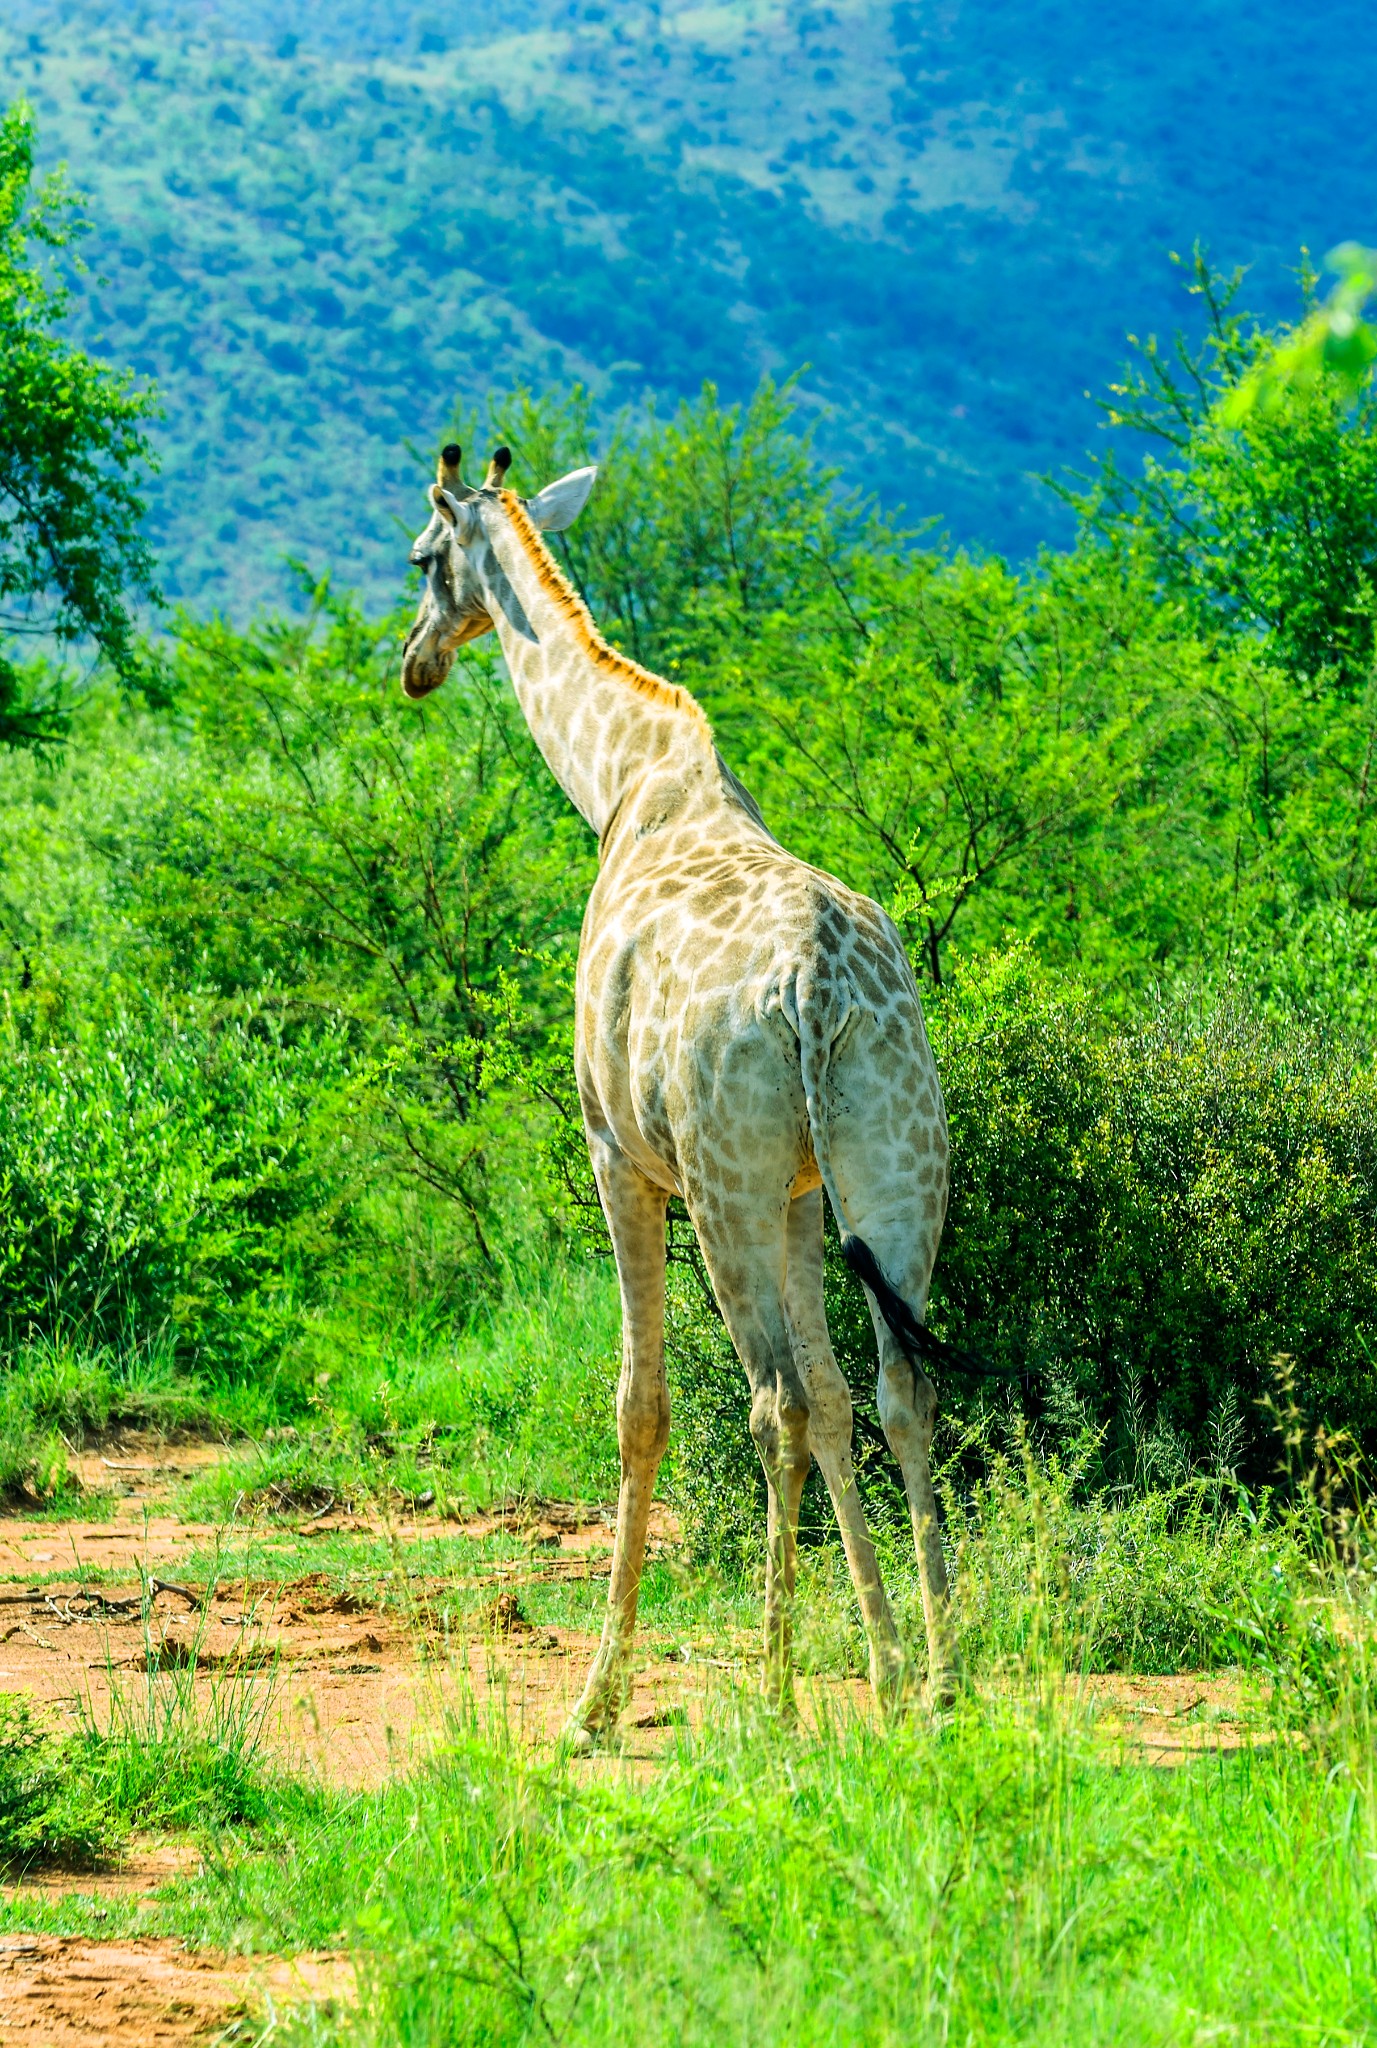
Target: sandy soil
(1171, 1719)
(137, 1876)
(354, 1693)
(340, 1687)
(61, 1992)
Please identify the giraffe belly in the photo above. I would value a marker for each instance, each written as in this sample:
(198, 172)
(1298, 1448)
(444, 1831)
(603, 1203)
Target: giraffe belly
(701, 1090)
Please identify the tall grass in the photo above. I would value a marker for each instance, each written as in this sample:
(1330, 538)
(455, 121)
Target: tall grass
(519, 1400)
(167, 1757)
(1015, 1875)
(1131, 1581)
(57, 1391)
(1000, 1879)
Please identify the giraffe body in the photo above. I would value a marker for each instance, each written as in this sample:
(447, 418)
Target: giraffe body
(748, 1032)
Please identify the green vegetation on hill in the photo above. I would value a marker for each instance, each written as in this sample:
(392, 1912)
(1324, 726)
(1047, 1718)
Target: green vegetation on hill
(315, 224)
(71, 456)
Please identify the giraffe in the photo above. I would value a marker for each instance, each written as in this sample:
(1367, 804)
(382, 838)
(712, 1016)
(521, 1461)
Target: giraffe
(748, 1036)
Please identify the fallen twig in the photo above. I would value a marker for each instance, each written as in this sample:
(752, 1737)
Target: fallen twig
(1166, 1713)
(35, 1637)
(132, 1603)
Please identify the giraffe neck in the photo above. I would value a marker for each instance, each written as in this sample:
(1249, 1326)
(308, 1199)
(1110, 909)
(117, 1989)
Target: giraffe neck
(600, 721)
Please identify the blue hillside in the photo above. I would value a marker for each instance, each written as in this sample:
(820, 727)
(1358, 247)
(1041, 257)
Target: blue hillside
(317, 227)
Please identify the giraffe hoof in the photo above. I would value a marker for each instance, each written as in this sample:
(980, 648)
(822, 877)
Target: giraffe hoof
(580, 1739)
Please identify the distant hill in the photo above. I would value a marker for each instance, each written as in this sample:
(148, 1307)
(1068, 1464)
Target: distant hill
(316, 224)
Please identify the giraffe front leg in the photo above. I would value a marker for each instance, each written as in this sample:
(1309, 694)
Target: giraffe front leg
(635, 1213)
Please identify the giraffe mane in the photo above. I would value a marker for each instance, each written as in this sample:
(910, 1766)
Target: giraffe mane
(557, 586)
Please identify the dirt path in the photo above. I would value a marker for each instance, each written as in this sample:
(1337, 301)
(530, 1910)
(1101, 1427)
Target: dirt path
(61, 1992)
(333, 1686)
(354, 1689)
(348, 1686)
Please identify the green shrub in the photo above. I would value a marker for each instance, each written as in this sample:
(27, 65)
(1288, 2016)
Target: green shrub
(1143, 1219)
(55, 1394)
(1048, 1576)
(163, 1178)
(74, 1798)
(45, 1808)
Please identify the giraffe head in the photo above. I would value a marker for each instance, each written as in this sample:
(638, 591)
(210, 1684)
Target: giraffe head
(464, 581)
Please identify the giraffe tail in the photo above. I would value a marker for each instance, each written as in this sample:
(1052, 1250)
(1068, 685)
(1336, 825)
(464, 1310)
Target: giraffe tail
(914, 1339)
(918, 1343)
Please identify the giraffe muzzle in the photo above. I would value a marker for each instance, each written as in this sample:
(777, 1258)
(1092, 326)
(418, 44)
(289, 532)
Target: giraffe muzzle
(424, 664)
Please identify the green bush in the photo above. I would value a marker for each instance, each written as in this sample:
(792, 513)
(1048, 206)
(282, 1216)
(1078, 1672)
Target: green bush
(1142, 1219)
(167, 1178)
(45, 1807)
(1048, 1577)
(712, 1473)
(54, 1394)
(74, 1798)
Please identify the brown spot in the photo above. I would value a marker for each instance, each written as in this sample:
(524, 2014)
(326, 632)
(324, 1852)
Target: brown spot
(869, 987)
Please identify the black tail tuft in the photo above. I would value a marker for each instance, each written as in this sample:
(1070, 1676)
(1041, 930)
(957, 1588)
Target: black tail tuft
(916, 1342)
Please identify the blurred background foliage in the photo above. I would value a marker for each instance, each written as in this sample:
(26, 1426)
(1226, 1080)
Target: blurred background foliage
(72, 456)
(284, 962)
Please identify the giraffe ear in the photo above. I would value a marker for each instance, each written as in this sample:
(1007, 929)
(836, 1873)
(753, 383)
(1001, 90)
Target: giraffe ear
(560, 504)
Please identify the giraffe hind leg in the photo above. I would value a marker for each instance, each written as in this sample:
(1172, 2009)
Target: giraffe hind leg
(908, 1413)
(747, 1268)
(830, 1428)
(907, 1401)
(890, 1171)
